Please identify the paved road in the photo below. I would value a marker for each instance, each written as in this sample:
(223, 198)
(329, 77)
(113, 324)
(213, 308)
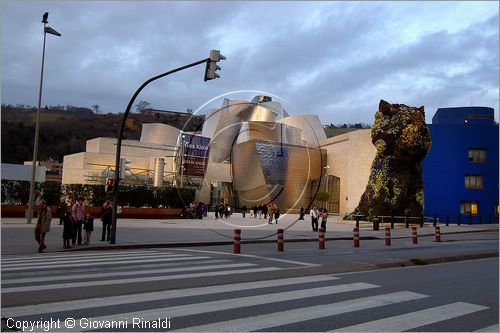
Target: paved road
(201, 290)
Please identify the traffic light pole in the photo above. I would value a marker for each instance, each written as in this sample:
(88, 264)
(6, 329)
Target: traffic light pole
(120, 137)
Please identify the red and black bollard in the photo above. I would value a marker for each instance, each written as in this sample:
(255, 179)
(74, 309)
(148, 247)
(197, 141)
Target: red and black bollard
(387, 236)
(321, 239)
(437, 233)
(414, 235)
(237, 240)
(280, 240)
(356, 237)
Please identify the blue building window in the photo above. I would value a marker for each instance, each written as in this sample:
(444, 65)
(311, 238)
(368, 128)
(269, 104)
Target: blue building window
(477, 155)
(469, 207)
(474, 181)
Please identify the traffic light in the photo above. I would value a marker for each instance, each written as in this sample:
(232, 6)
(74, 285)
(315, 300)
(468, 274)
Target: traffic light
(211, 67)
(108, 188)
(124, 167)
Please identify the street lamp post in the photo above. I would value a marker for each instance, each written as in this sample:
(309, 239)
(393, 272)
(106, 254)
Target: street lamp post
(210, 74)
(46, 29)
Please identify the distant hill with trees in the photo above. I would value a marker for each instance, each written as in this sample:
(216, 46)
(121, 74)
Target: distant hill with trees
(334, 130)
(64, 130)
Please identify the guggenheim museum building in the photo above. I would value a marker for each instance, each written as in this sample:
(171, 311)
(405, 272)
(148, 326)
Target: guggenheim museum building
(249, 153)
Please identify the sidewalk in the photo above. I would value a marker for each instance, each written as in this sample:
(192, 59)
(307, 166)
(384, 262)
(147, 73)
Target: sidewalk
(18, 238)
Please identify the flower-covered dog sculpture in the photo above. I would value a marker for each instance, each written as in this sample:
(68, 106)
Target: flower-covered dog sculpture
(402, 139)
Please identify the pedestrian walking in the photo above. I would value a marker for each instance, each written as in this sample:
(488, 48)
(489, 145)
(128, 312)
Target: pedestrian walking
(42, 224)
(243, 211)
(227, 211)
(276, 213)
(270, 211)
(324, 217)
(106, 217)
(68, 227)
(78, 212)
(314, 217)
(301, 213)
(88, 226)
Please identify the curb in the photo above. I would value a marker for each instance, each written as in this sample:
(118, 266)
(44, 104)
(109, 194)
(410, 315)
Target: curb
(438, 260)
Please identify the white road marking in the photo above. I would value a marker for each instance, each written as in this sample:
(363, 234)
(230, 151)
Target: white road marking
(44, 263)
(307, 313)
(159, 295)
(100, 263)
(132, 280)
(63, 278)
(415, 319)
(233, 303)
(256, 257)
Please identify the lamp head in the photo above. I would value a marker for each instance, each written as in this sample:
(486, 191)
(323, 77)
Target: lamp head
(45, 17)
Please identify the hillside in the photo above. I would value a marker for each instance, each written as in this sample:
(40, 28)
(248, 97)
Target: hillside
(64, 132)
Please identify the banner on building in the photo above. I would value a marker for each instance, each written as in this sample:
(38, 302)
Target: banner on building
(194, 159)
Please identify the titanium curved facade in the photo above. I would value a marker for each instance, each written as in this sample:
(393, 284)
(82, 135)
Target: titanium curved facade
(273, 157)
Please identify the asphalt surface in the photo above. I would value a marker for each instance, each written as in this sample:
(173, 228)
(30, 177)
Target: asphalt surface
(214, 238)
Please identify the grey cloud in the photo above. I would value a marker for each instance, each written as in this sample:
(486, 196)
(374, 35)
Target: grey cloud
(336, 59)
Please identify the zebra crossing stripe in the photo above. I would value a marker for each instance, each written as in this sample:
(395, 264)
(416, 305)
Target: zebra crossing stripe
(102, 263)
(43, 263)
(415, 319)
(133, 280)
(37, 309)
(492, 328)
(301, 263)
(306, 313)
(227, 304)
(88, 254)
(6, 282)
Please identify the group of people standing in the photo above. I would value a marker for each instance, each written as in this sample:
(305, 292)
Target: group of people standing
(318, 215)
(223, 210)
(78, 224)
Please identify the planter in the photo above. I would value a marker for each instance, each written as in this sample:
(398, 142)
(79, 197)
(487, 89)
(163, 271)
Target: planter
(135, 213)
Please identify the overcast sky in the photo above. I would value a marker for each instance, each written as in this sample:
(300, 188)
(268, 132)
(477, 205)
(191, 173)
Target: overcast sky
(334, 59)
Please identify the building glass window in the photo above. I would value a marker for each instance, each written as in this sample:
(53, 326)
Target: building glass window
(477, 155)
(469, 207)
(474, 181)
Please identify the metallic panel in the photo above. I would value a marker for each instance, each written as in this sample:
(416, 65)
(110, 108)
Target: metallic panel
(263, 171)
(162, 134)
(310, 127)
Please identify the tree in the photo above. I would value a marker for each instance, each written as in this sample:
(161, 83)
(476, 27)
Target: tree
(189, 111)
(95, 108)
(142, 105)
(323, 196)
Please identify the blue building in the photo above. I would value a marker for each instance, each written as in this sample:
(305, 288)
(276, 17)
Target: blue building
(461, 168)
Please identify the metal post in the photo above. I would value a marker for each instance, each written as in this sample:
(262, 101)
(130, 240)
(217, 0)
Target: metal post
(356, 237)
(37, 121)
(414, 235)
(321, 235)
(387, 236)
(280, 240)
(120, 138)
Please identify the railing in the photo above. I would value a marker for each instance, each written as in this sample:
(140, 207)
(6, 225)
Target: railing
(435, 219)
